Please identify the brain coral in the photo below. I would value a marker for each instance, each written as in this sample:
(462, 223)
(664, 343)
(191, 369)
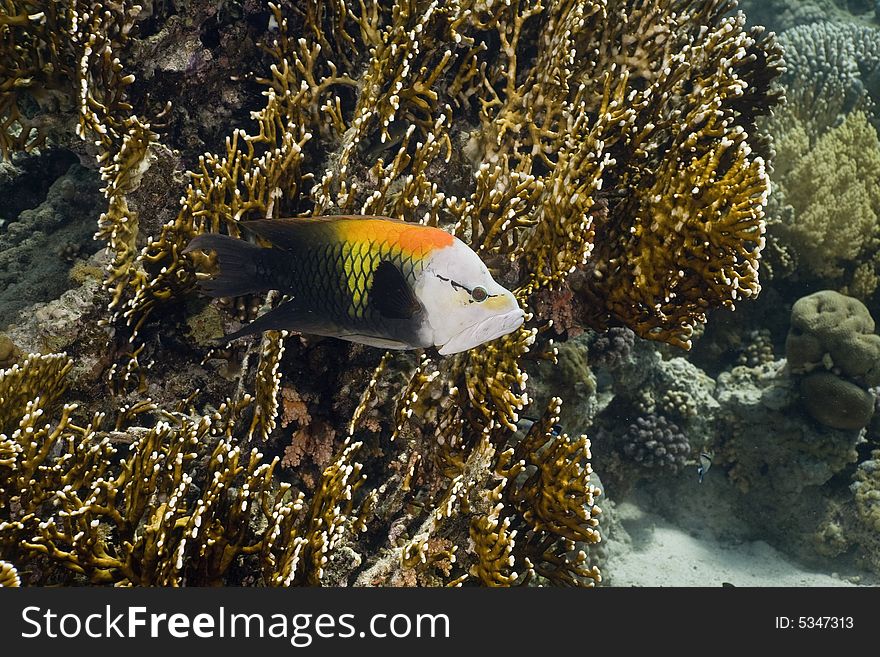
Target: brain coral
(832, 344)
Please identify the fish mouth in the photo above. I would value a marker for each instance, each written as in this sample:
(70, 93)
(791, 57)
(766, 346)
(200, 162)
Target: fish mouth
(489, 329)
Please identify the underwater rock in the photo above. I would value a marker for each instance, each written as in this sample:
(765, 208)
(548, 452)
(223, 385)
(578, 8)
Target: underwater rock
(768, 447)
(37, 247)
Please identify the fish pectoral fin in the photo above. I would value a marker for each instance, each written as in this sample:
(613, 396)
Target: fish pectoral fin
(286, 317)
(391, 295)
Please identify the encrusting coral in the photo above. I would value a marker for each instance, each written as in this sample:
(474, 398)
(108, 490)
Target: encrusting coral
(604, 150)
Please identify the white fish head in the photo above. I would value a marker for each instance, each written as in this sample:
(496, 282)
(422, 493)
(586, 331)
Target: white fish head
(464, 306)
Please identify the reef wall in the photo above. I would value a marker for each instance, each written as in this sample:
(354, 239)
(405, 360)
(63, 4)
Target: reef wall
(607, 159)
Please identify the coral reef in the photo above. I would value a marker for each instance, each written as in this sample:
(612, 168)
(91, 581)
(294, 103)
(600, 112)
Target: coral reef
(63, 58)
(823, 214)
(144, 519)
(602, 158)
(769, 450)
(833, 349)
(654, 415)
(33, 266)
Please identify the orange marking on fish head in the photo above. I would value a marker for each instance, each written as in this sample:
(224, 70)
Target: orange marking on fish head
(421, 240)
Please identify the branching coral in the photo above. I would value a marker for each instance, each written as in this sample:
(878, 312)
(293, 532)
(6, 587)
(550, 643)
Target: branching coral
(493, 542)
(145, 519)
(532, 513)
(555, 500)
(8, 575)
(37, 376)
(677, 243)
(69, 52)
(35, 67)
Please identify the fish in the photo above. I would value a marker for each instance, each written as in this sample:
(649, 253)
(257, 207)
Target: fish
(525, 423)
(705, 464)
(372, 280)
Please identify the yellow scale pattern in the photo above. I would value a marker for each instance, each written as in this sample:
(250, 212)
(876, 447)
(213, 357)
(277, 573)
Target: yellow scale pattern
(359, 261)
(337, 278)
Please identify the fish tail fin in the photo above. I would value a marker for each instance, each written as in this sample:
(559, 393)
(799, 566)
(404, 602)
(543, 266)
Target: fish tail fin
(240, 271)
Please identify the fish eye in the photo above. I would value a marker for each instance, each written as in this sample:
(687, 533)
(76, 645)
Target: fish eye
(479, 293)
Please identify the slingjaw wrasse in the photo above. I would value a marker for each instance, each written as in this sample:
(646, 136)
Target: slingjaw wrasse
(372, 280)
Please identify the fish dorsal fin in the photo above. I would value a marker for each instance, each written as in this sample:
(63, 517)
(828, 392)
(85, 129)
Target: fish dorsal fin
(391, 295)
(290, 233)
(287, 234)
